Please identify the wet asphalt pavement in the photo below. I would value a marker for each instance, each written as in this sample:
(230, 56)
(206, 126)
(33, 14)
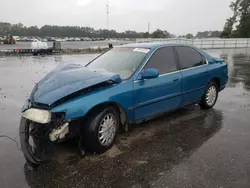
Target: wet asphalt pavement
(187, 148)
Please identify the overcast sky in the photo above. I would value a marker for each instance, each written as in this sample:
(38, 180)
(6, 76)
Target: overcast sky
(175, 16)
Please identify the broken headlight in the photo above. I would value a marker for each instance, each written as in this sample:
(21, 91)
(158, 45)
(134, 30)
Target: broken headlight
(38, 115)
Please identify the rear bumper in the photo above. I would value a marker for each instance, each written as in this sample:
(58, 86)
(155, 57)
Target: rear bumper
(224, 84)
(222, 87)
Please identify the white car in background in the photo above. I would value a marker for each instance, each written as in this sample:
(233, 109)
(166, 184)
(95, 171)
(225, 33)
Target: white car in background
(33, 39)
(58, 39)
(17, 38)
(77, 39)
(87, 39)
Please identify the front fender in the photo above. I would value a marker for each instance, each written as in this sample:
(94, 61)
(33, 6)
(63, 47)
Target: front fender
(79, 106)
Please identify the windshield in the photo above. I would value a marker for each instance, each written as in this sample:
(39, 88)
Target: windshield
(123, 61)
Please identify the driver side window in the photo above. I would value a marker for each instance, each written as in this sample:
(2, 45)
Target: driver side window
(164, 60)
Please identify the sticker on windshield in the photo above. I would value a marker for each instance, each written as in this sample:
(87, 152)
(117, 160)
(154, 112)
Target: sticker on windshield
(143, 50)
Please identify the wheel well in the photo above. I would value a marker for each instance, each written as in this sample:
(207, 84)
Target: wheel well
(217, 81)
(100, 107)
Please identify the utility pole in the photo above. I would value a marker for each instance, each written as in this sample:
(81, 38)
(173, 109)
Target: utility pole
(148, 30)
(148, 27)
(107, 15)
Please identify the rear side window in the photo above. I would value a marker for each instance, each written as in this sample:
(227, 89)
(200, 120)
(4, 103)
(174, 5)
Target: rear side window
(189, 57)
(163, 60)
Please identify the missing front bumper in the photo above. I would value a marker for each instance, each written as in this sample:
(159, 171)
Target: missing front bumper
(37, 139)
(43, 138)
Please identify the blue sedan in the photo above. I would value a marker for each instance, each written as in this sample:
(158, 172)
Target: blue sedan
(128, 84)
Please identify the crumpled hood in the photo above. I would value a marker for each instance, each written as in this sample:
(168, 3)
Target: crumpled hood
(66, 80)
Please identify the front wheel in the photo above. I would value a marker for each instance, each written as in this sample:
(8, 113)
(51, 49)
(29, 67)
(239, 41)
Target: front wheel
(210, 97)
(101, 131)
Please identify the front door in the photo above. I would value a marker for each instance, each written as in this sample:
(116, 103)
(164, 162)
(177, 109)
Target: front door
(158, 95)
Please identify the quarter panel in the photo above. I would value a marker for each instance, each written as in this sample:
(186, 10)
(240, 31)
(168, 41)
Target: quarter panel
(220, 71)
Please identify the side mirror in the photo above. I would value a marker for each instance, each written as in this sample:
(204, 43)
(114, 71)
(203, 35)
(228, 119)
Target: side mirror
(149, 74)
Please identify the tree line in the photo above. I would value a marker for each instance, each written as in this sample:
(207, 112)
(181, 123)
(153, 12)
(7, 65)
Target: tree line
(238, 25)
(204, 34)
(74, 31)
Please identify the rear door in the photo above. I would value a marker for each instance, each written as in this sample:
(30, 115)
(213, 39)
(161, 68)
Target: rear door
(194, 70)
(154, 96)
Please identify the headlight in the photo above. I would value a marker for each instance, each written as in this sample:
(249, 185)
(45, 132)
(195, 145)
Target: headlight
(37, 115)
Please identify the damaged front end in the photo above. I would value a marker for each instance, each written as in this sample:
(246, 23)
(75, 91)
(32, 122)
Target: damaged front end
(38, 130)
(42, 124)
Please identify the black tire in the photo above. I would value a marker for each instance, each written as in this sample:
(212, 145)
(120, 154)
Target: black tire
(47, 52)
(91, 133)
(204, 103)
(32, 165)
(35, 53)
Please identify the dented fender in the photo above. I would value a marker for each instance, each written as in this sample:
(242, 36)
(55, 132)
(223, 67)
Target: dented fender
(78, 107)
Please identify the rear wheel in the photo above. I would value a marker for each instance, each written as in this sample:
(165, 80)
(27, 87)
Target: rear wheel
(101, 131)
(210, 97)
(35, 53)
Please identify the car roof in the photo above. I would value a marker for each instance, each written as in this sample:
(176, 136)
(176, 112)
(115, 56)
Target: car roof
(152, 45)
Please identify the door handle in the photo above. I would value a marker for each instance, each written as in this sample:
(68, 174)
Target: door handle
(175, 79)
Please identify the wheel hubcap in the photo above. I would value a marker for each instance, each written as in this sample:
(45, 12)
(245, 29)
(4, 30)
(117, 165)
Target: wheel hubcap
(211, 95)
(107, 130)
